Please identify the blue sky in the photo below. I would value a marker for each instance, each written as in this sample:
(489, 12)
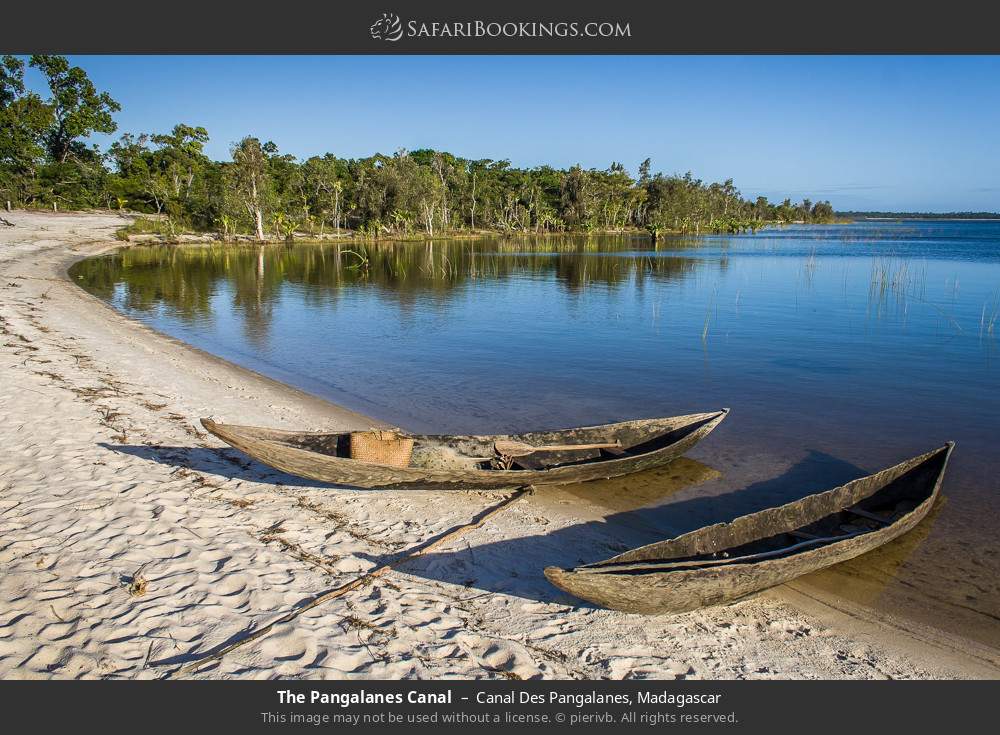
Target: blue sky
(903, 133)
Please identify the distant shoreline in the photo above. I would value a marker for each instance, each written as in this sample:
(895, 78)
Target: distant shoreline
(929, 219)
(958, 216)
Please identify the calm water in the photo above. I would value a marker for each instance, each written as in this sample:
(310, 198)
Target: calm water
(840, 349)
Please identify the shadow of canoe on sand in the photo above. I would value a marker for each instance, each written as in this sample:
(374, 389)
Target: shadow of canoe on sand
(514, 566)
(224, 462)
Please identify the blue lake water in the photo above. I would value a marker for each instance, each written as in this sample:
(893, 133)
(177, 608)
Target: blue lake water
(841, 349)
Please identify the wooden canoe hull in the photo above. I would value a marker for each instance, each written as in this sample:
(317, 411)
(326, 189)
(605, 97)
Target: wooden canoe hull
(310, 454)
(681, 590)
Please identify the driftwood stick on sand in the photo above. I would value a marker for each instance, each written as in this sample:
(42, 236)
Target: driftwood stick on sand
(423, 548)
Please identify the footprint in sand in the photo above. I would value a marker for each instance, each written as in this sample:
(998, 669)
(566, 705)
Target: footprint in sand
(281, 647)
(231, 584)
(645, 667)
(504, 657)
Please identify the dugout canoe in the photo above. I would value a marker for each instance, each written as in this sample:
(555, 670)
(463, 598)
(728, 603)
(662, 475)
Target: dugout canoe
(728, 561)
(464, 462)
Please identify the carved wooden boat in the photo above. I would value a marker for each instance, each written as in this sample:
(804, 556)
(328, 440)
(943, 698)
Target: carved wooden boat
(464, 462)
(727, 561)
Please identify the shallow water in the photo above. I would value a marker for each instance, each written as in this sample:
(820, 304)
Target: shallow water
(840, 349)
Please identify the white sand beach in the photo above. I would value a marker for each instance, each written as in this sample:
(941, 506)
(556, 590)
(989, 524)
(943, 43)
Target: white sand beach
(105, 472)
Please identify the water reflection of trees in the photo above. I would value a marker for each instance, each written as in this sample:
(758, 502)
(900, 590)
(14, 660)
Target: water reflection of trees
(186, 280)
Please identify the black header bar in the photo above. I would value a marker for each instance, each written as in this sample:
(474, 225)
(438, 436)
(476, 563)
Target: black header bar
(510, 27)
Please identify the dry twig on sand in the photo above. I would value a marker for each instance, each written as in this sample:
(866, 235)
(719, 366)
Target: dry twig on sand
(136, 586)
(364, 579)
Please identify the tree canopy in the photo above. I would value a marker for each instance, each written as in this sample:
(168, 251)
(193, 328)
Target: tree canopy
(45, 159)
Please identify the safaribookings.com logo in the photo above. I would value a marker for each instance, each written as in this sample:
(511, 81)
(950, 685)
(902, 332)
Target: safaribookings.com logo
(390, 28)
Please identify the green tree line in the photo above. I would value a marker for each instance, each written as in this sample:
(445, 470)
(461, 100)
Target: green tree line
(46, 161)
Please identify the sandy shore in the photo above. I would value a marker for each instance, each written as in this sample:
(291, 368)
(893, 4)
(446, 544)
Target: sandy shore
(105, 473)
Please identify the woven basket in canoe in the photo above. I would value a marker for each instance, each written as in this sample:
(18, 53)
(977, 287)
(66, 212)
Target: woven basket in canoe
(381, 447)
